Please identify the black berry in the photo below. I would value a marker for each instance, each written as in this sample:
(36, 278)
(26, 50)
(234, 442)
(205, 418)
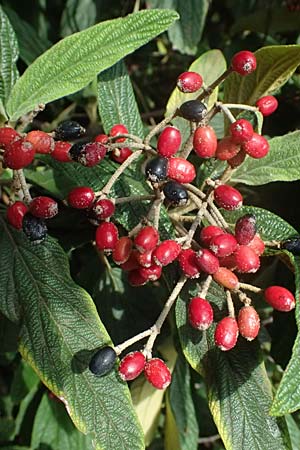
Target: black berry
(193, 110)
(68, 130)
(175, 193)
(292, 245)
(76, 151)
(103, 361)
(156, 169)
(34, 228)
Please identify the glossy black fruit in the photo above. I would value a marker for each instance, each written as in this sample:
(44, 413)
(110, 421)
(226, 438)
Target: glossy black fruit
(68, 130)
(175, 193)
(193, 110)
(76, 150)
(34, 228)
(156, 169)
(103, 361)
(292, 245)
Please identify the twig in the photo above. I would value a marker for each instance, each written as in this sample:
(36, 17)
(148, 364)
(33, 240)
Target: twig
(133, 198)
(24, 187)
(121, 347)
(250, 287)
(203, 289)
(230, 305)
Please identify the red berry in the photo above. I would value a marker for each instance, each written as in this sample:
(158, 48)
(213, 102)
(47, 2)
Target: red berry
(228, 261)
(189, 82)
(169, 142)
(41, 141)
(226, 278)
(151, 273)
(205, 142)
(145, 259)
(257, 244)
(188, 264)
(226, 333)
(7, 136)
(146, 239)
(132, 262)
(118, 129)
(157, 373)
(227, 197)
(181, 170)
(106, 236)
(248, 322)
(267, 105)
(207, 261)
(238, 159)
(120, 155)
(122, 250)
(200, 313)
(223, 245)
(131, 366)
(43, 207)
(18, 154)
(101, 138)
(207, 233)
(241, 131)
(102, 209)
(243, 62)
(135, 278)
(91, 154)
(166, 252)
(61, 151)
(280, 298)
(15, 214)
(257, 147)
(247, 261)
(245, 229)
(81, 197)
(227, 149)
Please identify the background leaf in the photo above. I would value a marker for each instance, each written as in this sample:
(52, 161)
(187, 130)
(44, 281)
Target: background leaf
(77, 15)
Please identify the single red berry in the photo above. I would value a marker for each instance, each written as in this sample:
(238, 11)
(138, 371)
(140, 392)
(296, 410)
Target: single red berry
(131, 366)
(188, 264)
(189, 82)
(228, 261)
(7, 136)
(132, 262)
(207, 261)
(166, 252)
(145, 259)
(151, 273)
(15, 214)
(258, 146)
(200, 313)
(223, 245)
(81, 197)
(158, 373)
(238, 159)
(243, 62)
(257, 244)
(61, 151)
(41, 141)
(118, 129)
(43, 207)
(227, 149)
(122, 250)
(247, 261)
(267, 105)
(91, 154)
(205, 142)
(18, 154)
(248, 322)
(207, 233)
(101, 138)
(169, 142)
(280, 298)
(146, 239)
(245, 229)
(181, 170)
(226, 278)
(226, 333)
(102, 209)
(106, 236)
(120, 155)
(241, 131)
(227, 197)
(136, 279)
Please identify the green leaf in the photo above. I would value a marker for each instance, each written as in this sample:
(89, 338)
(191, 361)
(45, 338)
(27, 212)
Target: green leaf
(282, 163)
(77, 15)
(275, 65)
(53, 428)
(293, 431)
(60, 331)
(75, 61)
(116, 100)
(9, 54)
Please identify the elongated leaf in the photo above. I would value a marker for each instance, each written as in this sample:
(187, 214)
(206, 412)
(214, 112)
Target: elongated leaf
(294, 431)
(60, 331)
(275, 65)
(75, 61)
(8, 57)
(77, 16)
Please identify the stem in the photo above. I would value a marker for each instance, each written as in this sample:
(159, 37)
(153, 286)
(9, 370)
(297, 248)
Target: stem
(230, 305)
(195, 224)
(196, 191)
(240, 106)
(188, 147)
(157, 128)
(205, 287)
(28, 118)
(133, 137)
(226, 111)
(244, 298)
(133, 198)
(209, 439)
(250, 287)
(209, 89)
(24, 187)
(216, 213)
(207, 215)
(121, 347)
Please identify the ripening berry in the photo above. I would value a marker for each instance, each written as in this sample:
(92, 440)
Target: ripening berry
(7, 136)
(188, 264)
(15, 214)
(18, 154)
(34, 228)
(292, 245)
(247, 261)
(245, 229)
(120, 155)
(169, 142)
(205, 142)
(91, 154)
(106, 236)
(166, 252)
(193, 110)
(43, 207)
(243, 62)
(226, 333)
(207, 261)
(267, 105)
(238, 159)
(131, 366)
(280, 298)
(118, 129)
(122, 250)
(68, 131)
(226, 278)
(151, 273)
(227, 197)
(228, 261)
(200, 313)
(188, 82)
(81, 197)
(132, 262)
(136, 279)
(241, 131)
(101, 138)
(156, 169)
(145, 259)
(207, 233)
(102, 209)
(248, 322)
(257, 244)
(227, 149)
(61, 151)
(175, 193)
(223, 245)
(258, 146)
(181, 170)
(41, 141)
(103, 361)
(146, 239)
(157, 373)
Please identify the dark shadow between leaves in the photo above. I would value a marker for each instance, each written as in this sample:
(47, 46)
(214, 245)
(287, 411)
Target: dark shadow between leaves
(81, 360)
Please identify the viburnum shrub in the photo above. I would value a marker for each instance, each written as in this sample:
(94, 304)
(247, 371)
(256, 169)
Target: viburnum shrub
(166, 254)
